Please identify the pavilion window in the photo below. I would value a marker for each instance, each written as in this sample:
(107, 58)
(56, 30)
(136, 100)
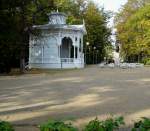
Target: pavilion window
(76, 39)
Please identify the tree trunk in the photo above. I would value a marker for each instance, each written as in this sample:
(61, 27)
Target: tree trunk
(22, 58)
(22, 65)
(23, 38)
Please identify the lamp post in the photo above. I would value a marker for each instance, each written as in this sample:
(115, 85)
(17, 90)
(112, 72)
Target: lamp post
(97, 56)
(89, 55)
(87, 44)
(94, 48)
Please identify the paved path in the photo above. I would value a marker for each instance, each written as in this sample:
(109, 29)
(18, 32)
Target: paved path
(77, 95)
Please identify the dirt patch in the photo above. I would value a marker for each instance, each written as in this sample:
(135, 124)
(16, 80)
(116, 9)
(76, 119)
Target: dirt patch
(76, 95)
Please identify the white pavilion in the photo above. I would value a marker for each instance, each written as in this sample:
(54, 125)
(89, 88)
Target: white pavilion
(58, 45)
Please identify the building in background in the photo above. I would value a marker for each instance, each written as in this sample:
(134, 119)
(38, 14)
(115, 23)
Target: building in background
(56, 44)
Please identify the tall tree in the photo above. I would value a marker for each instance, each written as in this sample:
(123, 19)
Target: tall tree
(17, 18)
(132, 29)
(98, 34)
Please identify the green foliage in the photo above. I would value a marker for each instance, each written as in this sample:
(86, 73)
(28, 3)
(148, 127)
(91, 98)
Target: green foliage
(133, 29)
(142, 125)
(146, 61)
(16, 20)
(6, 126)
(56, 126)
(109, 52)
(98, 34)
(110, 124)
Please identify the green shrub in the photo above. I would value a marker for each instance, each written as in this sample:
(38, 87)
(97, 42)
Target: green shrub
(56, 126)
(110, 124)
(142, 125)
(146, 61)
(6, 126)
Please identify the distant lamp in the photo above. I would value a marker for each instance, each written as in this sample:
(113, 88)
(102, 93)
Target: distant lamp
(87, 43)
(94, 48)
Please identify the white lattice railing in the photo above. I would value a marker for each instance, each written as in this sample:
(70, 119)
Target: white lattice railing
(51, 60)
(67, 60)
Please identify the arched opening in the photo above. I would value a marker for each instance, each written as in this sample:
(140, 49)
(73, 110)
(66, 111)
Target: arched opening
(67, 48)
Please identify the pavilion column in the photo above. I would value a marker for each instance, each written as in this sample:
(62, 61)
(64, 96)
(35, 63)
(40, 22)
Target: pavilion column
(82, 44)
(59, 51)
(59, 42)
(78, 51)
(42, 53)
(69, 51)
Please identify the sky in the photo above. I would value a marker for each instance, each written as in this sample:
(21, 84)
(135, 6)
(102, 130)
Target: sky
(111, 5)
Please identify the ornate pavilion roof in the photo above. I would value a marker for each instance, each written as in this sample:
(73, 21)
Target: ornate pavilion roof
(57, 21)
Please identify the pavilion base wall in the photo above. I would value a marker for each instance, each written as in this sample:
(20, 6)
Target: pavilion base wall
(56, 66)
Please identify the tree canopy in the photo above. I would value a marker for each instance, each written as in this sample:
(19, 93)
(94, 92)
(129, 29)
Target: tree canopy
(98, 34)
(16, 20)
(133, 29)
